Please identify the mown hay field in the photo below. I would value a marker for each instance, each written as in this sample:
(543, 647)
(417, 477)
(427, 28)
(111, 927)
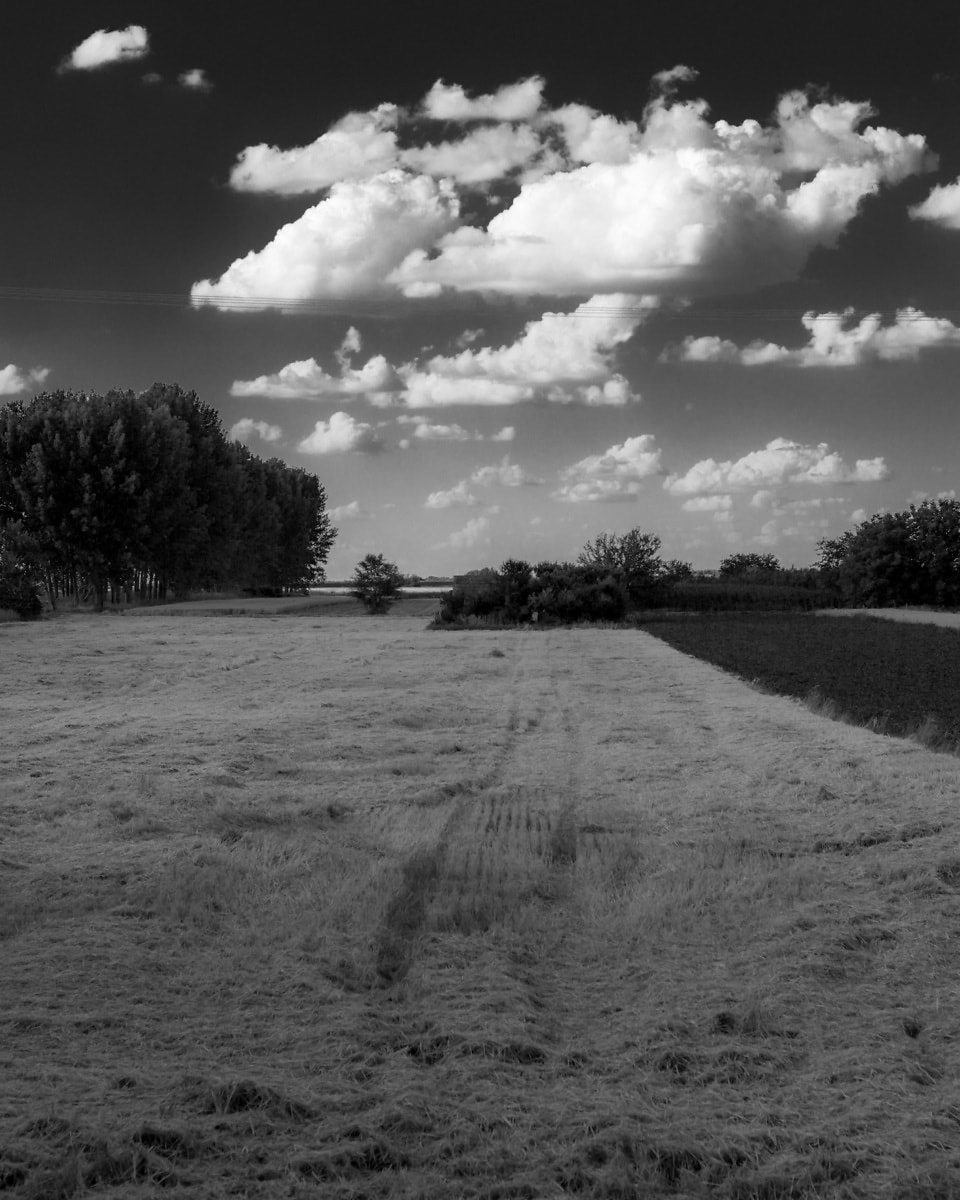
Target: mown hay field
(320, 904)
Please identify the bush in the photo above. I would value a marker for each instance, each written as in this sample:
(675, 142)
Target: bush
(376, 583)
(19, 592)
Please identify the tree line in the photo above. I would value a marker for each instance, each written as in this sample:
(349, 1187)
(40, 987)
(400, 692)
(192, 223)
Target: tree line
(143, 496)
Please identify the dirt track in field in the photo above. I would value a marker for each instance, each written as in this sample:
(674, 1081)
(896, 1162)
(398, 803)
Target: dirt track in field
(663, 911)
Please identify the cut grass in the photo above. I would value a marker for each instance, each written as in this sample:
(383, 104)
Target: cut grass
(594, 920)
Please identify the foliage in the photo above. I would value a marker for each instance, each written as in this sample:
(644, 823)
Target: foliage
(890, 675)
(909, 557)
(376, 583)
(633, 556)
(144, 494)
(749, 566)
(19, 585)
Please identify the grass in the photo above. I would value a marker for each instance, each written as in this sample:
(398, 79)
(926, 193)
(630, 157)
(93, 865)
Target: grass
(381, 914)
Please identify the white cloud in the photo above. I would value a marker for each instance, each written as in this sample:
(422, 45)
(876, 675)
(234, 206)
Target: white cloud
(780, 462)
(14, 379)
(616, 475)
(344, 246)
(456, 497)
(349, 512)
(832, 343)
(359, 145)
(426, 431)
(195, 80)
(474, 533)
(481, 156)
(505, 474)
(566, 358)
(710, 504)
(108, 46)
(340, 434)
(591, 136)
(676, 204)
(514, 102)
(942, 206)
(506, 434)
(246, 427)
(667, 81)
(858, 515)
(696, 206)
(307, 380)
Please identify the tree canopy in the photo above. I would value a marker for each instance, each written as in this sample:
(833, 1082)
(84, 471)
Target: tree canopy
(909, 557)
(145, 493)
(376, 583)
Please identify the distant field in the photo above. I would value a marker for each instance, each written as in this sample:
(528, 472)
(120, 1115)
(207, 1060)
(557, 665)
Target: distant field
(897, 677)
(321, 904)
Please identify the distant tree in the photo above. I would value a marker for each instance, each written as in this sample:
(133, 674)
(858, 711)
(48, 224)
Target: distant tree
(633, 556)
(749, 566)
(676, 571)
(516, 576)
(376, 583)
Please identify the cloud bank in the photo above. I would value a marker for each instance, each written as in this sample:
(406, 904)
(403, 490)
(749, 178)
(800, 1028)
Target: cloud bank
(780, 462)
(833, 342)
(588, 203)
(560, 358)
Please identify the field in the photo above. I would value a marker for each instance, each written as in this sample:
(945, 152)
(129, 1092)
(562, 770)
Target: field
(319, 904)
(898, 676)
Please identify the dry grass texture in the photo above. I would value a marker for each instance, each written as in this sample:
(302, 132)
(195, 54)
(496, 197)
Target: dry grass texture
(333, 905)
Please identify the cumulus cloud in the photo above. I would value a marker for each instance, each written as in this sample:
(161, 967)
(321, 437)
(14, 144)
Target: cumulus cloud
(513, 102)
(307, 380)
(339, 435)
(426, 431)
(107, 46)
(505, 474)
(349, 512)
(780, 462)
(833, 342)
(565, 358)
(942, 206)
(357, 146)
(474, 533)
(344, 246)
(694, 206)
(247, 427)
(506, 434)
(676, 204)
(481, 156)
(708, 504)
(455, 497)
(14, 379)
(195, 80)
(615, 475)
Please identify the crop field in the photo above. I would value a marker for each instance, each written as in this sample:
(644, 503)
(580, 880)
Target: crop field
(311, 903)
(892, 676)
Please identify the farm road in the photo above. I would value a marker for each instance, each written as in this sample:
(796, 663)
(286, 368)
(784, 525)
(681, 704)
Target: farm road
(661, 908)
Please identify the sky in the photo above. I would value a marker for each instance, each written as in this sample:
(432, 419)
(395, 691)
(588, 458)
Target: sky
(506, 276)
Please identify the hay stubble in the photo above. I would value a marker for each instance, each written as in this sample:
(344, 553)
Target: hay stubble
(367, 910)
